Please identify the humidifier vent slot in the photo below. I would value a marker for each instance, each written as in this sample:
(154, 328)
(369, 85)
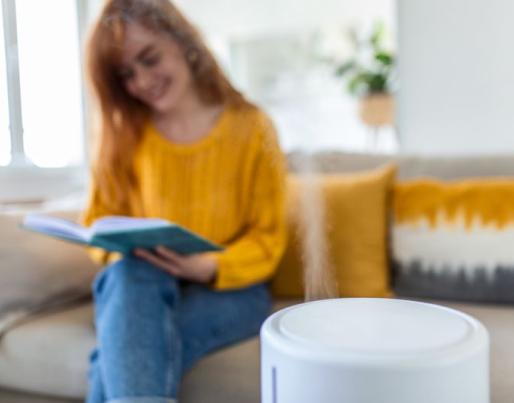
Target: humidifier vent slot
(274, 383)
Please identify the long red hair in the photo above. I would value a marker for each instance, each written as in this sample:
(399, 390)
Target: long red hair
(120, 117)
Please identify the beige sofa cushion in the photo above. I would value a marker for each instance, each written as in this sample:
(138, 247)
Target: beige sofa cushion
(409, 166)
(48, 355)
(38, 273)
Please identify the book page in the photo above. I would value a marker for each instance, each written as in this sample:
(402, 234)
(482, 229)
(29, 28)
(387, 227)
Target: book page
(121, 223)
(56, 226)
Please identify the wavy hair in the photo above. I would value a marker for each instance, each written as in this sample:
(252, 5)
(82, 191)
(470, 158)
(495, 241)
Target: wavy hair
(121, 118)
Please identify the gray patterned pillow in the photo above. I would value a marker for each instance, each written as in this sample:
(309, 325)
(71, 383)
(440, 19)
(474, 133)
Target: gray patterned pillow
(454, 240)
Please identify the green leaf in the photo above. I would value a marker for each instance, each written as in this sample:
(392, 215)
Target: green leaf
(385, 58)
(359, 83)
(377, 36)
(354, 84)
(377, 77)
(377, 83)
(345, 68)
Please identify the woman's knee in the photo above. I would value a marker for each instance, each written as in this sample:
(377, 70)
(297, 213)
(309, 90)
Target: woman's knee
(129, 273)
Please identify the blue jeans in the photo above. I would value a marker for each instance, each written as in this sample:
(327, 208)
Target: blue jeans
(151, 328)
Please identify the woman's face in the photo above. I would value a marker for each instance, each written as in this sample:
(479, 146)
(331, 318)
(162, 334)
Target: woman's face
(154, 69)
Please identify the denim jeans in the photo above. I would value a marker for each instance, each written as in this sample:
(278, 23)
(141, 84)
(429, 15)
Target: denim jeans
(151, 328)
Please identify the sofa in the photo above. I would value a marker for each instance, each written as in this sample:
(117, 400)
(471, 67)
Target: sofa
(44, 353)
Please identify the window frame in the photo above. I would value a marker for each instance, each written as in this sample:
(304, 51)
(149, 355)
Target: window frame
(20, 180)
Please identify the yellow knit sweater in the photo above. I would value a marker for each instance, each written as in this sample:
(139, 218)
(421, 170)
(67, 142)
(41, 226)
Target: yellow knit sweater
(229, 187)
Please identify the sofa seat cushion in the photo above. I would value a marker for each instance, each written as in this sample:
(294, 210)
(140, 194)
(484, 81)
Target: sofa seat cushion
(48, 355)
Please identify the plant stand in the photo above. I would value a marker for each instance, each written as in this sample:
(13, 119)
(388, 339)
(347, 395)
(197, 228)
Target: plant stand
(376, 111)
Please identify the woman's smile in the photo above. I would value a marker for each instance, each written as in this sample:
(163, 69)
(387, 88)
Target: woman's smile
(158, 91)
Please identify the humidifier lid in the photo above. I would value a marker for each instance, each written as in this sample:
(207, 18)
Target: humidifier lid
(375, 325)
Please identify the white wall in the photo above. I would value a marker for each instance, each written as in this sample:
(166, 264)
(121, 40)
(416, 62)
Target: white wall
(456, 76)
(257, 17)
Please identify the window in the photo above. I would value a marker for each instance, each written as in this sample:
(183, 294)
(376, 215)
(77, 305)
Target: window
(42, 124)
(5, 141)
(49, 60)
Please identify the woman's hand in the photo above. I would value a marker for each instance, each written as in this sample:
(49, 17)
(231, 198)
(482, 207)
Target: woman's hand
(200, 267)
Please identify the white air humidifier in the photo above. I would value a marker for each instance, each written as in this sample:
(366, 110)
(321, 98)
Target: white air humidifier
(361, 350)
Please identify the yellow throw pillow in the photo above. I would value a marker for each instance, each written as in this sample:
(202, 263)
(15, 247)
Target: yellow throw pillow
(355, 227)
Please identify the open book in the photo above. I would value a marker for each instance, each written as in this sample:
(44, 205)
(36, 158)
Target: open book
(122, 234)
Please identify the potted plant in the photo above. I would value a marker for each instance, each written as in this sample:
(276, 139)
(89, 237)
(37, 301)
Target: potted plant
(369, 76)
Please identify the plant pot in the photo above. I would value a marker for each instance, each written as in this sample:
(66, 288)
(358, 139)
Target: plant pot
(377, 109)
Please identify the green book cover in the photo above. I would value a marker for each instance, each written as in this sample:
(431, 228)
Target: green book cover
(122, 234)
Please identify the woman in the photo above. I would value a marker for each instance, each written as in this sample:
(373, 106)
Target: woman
(176, 141)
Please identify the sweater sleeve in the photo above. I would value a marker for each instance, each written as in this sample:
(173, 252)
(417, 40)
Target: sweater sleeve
(253, 257)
